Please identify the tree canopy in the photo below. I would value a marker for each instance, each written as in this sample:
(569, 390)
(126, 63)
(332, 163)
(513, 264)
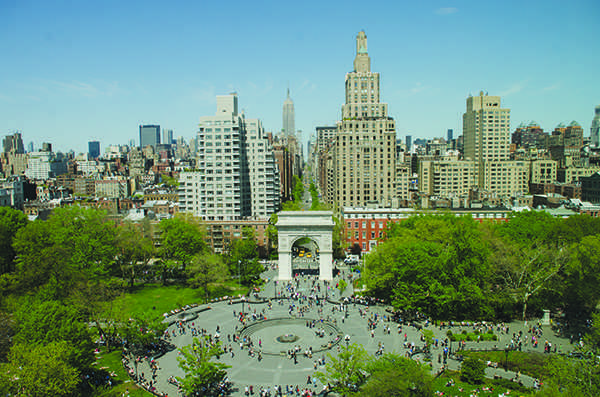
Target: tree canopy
(457, 268)
(202, 374)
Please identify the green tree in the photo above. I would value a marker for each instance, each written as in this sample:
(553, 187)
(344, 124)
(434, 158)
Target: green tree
(10, 222)
(394, 375)
(342, 285)
(532, 259)
(206, 270)
(298, 189)
(472, 370)
(576, 375)
(75, 244)
(135, 248)
(201, 373)
(141, 331)
(42, 323)
(346, 372)
(181, 238)
(6, 334)
(39, 370)
(273, 237)
(243, 257)
(582, 277)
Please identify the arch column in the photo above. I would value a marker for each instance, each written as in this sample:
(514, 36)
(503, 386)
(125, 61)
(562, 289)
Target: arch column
(316, 225)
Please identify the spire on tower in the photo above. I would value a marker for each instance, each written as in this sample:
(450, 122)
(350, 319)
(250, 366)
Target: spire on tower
(362, 62)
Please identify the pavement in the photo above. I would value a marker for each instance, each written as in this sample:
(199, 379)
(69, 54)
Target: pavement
(275, 368)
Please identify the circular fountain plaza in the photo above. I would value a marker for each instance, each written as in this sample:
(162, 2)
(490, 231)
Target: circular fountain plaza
(286, 337)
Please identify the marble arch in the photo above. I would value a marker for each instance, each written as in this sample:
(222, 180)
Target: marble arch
(316, 225)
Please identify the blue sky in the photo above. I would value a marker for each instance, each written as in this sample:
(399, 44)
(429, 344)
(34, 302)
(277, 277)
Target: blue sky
(74, 71)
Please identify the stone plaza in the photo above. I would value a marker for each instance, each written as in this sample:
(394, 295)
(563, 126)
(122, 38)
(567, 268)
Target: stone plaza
(294, 326)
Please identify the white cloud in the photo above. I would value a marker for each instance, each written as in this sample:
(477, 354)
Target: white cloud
(446, 10)
(552, 87)
(80, 88)
(307, 85)
(513, 89)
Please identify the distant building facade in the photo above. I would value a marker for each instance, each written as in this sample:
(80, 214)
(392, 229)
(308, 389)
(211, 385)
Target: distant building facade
(149, 135)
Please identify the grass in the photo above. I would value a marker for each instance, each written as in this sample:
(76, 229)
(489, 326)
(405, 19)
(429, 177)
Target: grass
(155, 299)
(499, 386)
(472, 336)
(530, 363)
(122, 382)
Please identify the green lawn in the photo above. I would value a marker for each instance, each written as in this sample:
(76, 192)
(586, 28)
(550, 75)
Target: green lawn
(155, 299)
(498, 386)
(530, 363)
(122, 382)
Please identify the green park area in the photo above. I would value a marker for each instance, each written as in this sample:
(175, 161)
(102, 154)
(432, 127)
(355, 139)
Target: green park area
(78, 287)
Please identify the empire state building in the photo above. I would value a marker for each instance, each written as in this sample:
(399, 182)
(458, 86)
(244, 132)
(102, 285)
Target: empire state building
(365, 148)
(289, 123)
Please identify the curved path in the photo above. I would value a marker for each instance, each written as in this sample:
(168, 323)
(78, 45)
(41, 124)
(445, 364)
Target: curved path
(279, 369)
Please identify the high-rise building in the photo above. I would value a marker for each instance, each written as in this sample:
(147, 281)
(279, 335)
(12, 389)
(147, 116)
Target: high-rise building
(236, 175)
(262, 169)
(486, 132)
(325, 137)
(94, 149)
(46, 147)
(450, 136)
(365, 149)
(408, 143)
(149, 135)
(13, 143)
(167, 136)
(289, 118)
(595, 130)
(486, 129)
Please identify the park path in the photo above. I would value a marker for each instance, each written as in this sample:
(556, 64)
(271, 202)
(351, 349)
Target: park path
(275, 370)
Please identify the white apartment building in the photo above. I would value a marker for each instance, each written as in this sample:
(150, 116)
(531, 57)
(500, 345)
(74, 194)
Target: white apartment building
(236, 175)
(263, 170)
(44, 165)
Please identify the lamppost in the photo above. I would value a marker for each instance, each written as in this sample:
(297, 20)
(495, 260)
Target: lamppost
(240, 283)
(506, 350)
(239, 277)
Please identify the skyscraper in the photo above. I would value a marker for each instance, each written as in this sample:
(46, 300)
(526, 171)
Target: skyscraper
(486, 129)
(167, 137)
(13, 143)
(236, 174)
(595, 130)
(94, 149)
(408, 143)
(486, 132)
(149, 135)
(450, 136)
(289, 123)
(365, 148)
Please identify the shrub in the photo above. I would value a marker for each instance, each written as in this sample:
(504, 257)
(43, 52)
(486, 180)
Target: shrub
(472, 370)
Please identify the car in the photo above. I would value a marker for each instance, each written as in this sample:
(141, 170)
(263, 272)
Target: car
(308, 255)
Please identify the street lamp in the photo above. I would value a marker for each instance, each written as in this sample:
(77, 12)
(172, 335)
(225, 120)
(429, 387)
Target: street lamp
(239, 277)
(506, 350)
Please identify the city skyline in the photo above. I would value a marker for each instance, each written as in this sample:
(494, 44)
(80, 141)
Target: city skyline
(84, 72)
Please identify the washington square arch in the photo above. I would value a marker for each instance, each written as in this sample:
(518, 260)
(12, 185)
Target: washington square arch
(295, 226)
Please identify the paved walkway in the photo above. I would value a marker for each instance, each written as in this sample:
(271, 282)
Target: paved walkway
(275, 369)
